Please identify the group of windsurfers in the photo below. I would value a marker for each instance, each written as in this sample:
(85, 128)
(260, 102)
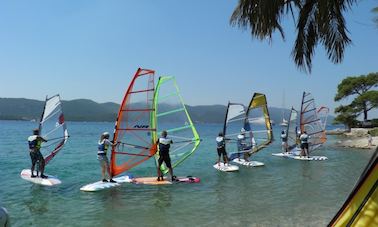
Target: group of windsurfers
(301, 139)
(104, 143)
(242, 147)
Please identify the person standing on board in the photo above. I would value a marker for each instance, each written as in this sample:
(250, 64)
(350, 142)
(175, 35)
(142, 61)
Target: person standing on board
(304, 143)
(164, 144)
(221, 148)
(35, 141)
(242, 145)
(103, 145)
(284, 141)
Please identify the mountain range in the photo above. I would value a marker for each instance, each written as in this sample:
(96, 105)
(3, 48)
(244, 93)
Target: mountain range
(88, 110)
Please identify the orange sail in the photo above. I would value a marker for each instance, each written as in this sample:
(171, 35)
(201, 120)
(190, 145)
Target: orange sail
(135, 124)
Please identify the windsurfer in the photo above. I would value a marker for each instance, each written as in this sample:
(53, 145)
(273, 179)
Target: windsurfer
(221, 148)
(103, 145)
(284, 141)
(164, 144)
(242, 145)
(35, 142)
(304, 144)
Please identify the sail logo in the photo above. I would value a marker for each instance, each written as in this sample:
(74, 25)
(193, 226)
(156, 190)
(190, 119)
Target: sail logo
(141, 126)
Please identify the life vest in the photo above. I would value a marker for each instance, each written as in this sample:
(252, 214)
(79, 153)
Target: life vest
(102, 147)
(284, 137)
(34, 142)
(304, 138)
(164, 145)
(220, 142)
(241, 142)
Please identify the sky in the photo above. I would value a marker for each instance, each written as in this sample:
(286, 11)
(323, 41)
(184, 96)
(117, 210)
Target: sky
(91, 49)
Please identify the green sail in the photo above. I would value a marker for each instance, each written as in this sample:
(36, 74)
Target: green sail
(173, 117)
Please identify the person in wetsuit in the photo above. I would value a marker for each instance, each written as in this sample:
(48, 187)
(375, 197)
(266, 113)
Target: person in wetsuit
(221, 148)
(242, 146)
(164, 144)
(103, 145)
(35, 141)
(284, 144)
(304, 143)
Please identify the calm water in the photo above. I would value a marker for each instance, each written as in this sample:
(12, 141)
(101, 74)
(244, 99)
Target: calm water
(282, 193)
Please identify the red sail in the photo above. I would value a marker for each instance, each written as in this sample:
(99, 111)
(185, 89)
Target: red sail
(135, 124)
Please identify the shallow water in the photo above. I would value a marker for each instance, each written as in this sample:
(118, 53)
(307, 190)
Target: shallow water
(282, 193)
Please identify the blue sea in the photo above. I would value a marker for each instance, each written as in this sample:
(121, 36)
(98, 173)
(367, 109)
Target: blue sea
(284, 192)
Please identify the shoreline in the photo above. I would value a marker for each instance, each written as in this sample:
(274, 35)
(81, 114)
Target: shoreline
(356, 138)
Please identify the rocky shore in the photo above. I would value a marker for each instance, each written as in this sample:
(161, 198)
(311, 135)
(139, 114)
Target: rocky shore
(356, 138)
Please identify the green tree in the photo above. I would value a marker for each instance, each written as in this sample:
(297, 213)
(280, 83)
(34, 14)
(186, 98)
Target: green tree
(317, 22)
(375, 10)
(346, 116)
(364, 101)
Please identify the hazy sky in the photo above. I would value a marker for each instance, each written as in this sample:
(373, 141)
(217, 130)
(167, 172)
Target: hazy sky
(91, 49)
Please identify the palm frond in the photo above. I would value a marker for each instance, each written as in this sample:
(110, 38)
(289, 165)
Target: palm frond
(319, 21)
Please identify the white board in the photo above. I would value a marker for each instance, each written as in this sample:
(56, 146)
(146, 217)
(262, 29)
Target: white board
(282, 154)
(243, 162)
(154, 181)
(50, 181)
(225, 168)
(99, 185)
(310, 158)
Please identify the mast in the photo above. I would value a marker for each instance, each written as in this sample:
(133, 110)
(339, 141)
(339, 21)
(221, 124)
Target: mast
(225, 124)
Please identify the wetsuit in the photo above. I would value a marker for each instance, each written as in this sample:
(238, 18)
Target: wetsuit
(34, 148)
(102, 149)
(221, 146)
(164, 145)
(304, 141)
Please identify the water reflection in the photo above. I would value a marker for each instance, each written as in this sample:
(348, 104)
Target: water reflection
(163, 197)
(37, 203)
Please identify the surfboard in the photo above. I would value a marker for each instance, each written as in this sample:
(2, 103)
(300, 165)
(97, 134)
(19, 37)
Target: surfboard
(247, 163)
(282, 154)
(165, 181)
(99, 185)
(225, 168)
(310, 158)
(50, 181)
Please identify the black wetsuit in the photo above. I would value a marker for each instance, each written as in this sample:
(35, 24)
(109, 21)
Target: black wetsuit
(221, 146)
(164, 145)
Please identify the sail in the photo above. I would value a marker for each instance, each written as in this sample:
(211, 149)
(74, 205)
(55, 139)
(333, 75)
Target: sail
(284, 122)
(173, 117)
(361, 206)
(323, 115)
(258, 122)
(52, 128)
(233, 125)
(311, 123)
(134, 126)
(292, 129)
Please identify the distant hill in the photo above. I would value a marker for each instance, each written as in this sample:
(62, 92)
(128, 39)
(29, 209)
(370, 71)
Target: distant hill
(88, 110)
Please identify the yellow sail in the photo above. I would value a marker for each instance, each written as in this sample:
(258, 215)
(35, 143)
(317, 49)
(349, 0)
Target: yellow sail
(258, 117)
(361, 207)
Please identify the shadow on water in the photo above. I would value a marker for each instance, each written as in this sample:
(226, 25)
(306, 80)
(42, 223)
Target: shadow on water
(162, 198)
